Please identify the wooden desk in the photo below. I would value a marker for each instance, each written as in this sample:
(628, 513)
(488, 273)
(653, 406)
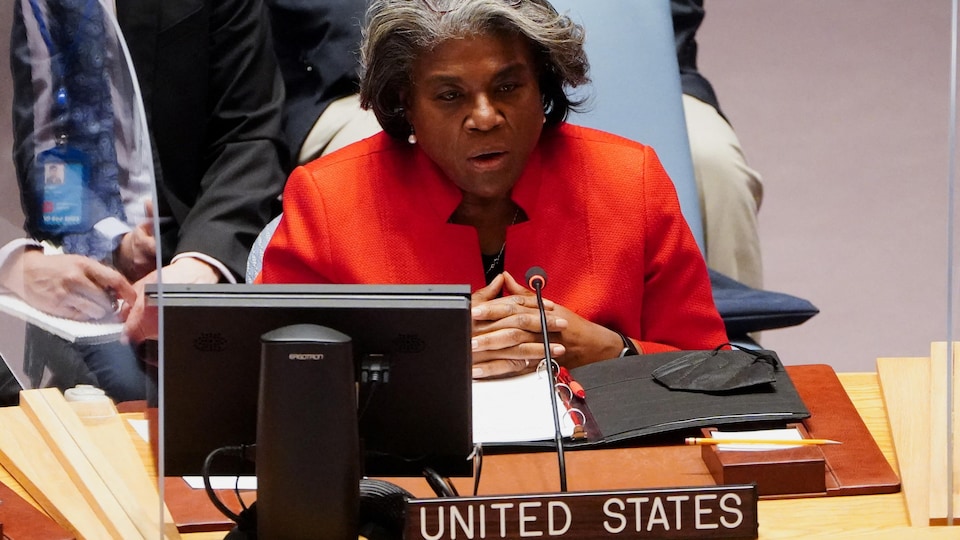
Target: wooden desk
(868, 516)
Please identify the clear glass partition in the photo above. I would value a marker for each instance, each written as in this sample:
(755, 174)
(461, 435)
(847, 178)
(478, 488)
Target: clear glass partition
(952, 315)
(848, 112)
(77, 184)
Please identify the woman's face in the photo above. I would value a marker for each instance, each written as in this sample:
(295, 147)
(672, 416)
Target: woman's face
(475, 107)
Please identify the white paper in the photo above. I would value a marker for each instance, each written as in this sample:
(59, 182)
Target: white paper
(223, 482)
(88, 332)
(516, 409)
(142, 427)
(790, 434)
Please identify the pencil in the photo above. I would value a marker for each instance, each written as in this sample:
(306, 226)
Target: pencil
(700, 441)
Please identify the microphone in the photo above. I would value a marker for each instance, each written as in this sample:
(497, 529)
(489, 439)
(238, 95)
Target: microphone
(536, 280)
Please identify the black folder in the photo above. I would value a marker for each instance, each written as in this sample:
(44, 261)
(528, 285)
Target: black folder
(625, 403)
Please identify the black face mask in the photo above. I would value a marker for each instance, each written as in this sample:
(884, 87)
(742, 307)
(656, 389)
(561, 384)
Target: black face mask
(718, 371)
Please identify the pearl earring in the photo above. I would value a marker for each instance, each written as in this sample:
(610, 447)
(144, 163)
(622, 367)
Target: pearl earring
(412, 138)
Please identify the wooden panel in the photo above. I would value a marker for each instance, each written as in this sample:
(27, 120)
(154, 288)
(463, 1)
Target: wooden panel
(944, 429)
(902, 380)
(109, 433)
(25, 455)
(916, 395)
(90, 470)
(939, 483)
(955, 430)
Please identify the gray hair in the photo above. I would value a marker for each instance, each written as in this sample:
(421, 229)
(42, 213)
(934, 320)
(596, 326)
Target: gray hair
(397, 31)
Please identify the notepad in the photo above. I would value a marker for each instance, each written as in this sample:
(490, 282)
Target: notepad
(516, 410)
(85, 332)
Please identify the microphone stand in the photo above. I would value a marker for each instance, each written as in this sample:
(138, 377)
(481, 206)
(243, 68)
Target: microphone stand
(536, 278)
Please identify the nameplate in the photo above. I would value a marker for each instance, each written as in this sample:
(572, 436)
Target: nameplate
(728, 511)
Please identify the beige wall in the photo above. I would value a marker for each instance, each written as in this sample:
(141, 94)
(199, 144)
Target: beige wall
(842, 105)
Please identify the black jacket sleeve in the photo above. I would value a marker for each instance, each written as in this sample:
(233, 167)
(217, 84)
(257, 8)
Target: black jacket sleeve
(317, 44)
(687, 16)
(214, 97)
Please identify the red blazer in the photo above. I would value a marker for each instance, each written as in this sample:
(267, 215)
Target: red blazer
(604, 223)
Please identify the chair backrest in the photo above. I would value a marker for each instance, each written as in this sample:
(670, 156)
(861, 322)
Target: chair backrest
(636, 85)
(636, 94)
(255, 259)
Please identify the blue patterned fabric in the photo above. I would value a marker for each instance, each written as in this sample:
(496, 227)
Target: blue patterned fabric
(84, 112)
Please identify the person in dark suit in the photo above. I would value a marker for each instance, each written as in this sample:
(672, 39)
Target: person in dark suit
(317, 44)
(212, 97)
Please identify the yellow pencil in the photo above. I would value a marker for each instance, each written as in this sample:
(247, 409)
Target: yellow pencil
(700, 441)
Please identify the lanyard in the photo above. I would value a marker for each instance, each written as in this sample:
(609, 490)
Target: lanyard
(61, 101)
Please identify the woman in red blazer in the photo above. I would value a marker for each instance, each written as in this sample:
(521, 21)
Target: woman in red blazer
(477, 177)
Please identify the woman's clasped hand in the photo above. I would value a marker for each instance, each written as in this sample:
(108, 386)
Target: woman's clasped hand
(507, 335)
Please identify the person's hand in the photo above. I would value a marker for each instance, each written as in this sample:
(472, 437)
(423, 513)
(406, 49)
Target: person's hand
(136, 256)
(142, 322)
(69, 286)
(507, 338)
(584, 342)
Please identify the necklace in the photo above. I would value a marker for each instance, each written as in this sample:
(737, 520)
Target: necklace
(496, 260)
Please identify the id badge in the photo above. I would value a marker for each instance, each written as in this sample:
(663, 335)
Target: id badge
(62, 176)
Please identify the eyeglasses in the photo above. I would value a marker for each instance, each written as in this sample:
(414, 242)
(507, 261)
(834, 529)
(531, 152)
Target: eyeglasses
(446, 6)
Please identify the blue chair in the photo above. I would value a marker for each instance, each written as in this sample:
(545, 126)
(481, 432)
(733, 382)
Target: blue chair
(636, 94)
(635, 90)
(255, 259)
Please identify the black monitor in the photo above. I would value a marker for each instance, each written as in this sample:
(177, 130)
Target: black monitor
(419, 416)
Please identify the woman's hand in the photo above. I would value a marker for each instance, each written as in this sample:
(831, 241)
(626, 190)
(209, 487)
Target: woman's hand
(69, 286)
(507, 337)
(506, 329)
(584, 342)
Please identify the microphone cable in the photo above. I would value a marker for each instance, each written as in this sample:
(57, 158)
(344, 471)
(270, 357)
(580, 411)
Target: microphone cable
(536, 280)
(246, 519)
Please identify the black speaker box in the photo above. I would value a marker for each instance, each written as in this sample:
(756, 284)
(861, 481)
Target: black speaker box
(308, 461)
